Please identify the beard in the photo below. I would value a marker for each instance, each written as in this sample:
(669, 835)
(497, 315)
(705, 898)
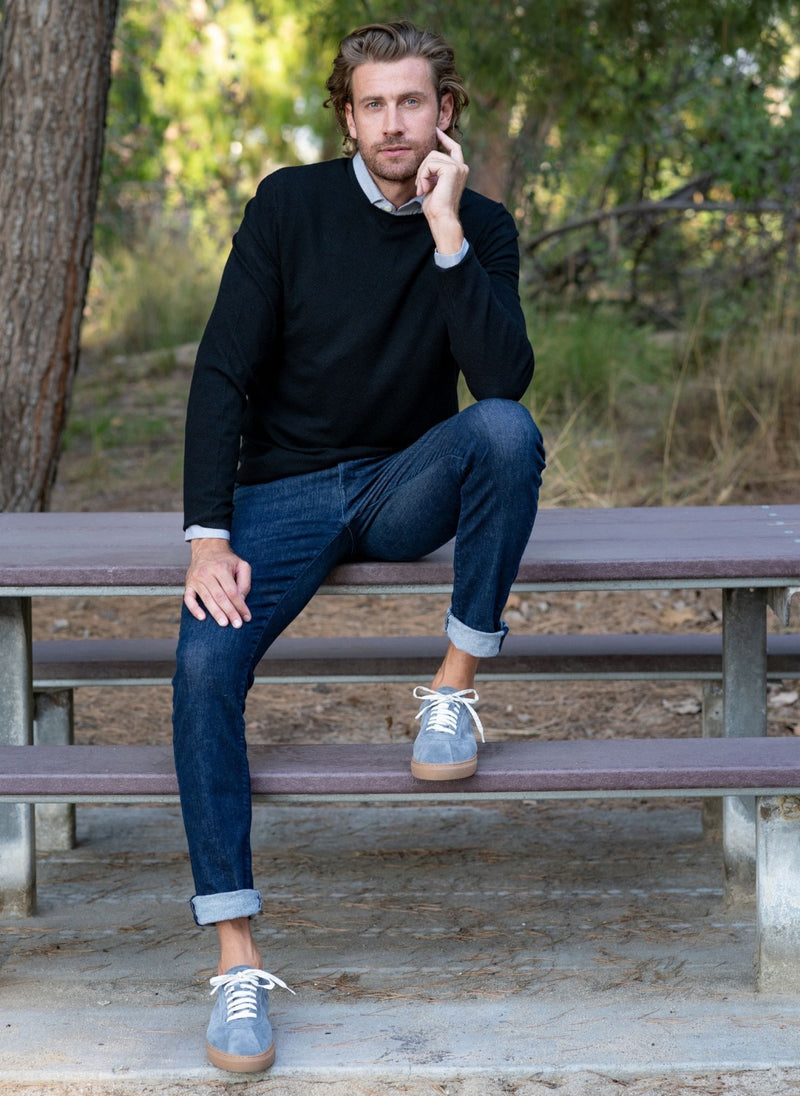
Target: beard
(396, 170)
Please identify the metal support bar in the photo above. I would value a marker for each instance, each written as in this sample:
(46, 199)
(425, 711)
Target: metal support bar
(744, 705)
(713, 727)
(777, 958)
(17, 844)
(54, 726)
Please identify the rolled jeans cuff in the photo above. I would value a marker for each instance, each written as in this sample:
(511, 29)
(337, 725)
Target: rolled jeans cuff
(210, 908)
(478, 644)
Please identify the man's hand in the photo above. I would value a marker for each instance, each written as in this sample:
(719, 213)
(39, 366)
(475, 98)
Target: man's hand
(219, 579)
(442, 176)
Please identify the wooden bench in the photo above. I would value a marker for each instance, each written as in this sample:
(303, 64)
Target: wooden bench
(767, 768)
(749, 553)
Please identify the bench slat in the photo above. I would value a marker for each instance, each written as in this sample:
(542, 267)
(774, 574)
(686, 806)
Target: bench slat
(95, 661)
(589, 767)
(57, 663)
(613, 546)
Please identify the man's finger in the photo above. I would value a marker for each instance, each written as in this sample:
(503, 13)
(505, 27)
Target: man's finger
(192, 604)
(430, 170)
(221, 608)
(243, 577)
(222, 597)
(451, 147)
(427, 177)
(224, 611)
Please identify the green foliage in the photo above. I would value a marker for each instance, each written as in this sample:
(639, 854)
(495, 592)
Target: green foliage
(578, 106)
(206, 99)
(667, 100)
(591, 358)
(601, 100)
(155, 292)
(106, 429)
(749, 136)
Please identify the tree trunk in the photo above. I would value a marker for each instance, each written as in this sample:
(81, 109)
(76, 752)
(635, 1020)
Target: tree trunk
(54, 75)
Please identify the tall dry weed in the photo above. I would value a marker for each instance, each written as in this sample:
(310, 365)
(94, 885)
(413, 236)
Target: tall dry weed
(732, 431)
(720, 427)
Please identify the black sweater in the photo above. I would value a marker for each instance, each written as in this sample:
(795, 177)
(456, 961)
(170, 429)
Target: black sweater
(335, 336)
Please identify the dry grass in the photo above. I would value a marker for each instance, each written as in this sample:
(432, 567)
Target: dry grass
(733, 425)
(722, 429)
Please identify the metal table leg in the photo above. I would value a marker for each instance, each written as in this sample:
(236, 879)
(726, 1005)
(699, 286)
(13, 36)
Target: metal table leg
(778, 876)
(744, 686)
(54, 721)
(713, 727)
(17, 846)
(778, 894)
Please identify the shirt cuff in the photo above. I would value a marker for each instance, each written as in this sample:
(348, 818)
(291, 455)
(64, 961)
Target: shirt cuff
(444, 262)
(194, 532)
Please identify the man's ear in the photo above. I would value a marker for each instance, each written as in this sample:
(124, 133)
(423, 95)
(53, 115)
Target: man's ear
(445, 111)
(351, 124)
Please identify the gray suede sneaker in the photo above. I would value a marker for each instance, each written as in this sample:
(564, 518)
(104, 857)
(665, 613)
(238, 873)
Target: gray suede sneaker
(239, 1036)
(445, 748)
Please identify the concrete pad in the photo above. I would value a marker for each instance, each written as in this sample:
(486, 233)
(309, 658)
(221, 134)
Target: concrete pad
(510, 945)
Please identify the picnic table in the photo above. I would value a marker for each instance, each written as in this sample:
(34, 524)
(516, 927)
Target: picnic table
(750, 553)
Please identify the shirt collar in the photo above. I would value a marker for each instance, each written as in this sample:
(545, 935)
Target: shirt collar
(372, 191)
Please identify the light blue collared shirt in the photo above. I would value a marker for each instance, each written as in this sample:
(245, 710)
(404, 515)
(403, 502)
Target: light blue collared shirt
(445, 262)
(373, 192)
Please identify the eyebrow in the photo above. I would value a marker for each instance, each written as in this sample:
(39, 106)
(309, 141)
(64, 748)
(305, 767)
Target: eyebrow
(402, 95)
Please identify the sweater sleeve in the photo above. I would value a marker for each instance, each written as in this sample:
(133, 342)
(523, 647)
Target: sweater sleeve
(480, 301)
(239, 340)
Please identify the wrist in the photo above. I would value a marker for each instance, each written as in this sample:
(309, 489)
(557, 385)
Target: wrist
(448, 235)
(208, 545)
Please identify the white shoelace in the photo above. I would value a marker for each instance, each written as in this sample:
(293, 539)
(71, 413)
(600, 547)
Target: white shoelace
(444, 708)
(241, 988)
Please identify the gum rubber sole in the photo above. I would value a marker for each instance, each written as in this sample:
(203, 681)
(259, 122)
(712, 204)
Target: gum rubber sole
(237, 1063)
(454, 770)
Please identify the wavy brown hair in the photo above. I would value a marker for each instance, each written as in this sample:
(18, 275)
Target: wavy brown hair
(392, 42)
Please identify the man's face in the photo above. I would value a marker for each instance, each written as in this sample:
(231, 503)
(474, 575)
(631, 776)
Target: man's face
(393, 116)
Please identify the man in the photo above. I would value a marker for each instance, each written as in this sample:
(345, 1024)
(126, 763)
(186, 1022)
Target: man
(323, 425)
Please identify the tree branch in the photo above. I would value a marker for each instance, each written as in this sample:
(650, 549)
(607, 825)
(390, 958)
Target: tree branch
(642, 209)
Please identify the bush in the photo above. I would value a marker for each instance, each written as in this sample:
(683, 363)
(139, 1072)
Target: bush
(155, 293)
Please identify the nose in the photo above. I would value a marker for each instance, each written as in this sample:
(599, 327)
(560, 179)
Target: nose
(391, 119)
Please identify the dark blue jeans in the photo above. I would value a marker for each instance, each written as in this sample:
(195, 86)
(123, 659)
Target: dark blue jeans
(475, 476)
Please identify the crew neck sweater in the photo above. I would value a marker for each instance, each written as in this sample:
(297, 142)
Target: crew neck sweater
(334, 335)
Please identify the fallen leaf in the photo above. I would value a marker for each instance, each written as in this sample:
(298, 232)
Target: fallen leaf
(783, 700)
(675, 618)
(683, 707)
